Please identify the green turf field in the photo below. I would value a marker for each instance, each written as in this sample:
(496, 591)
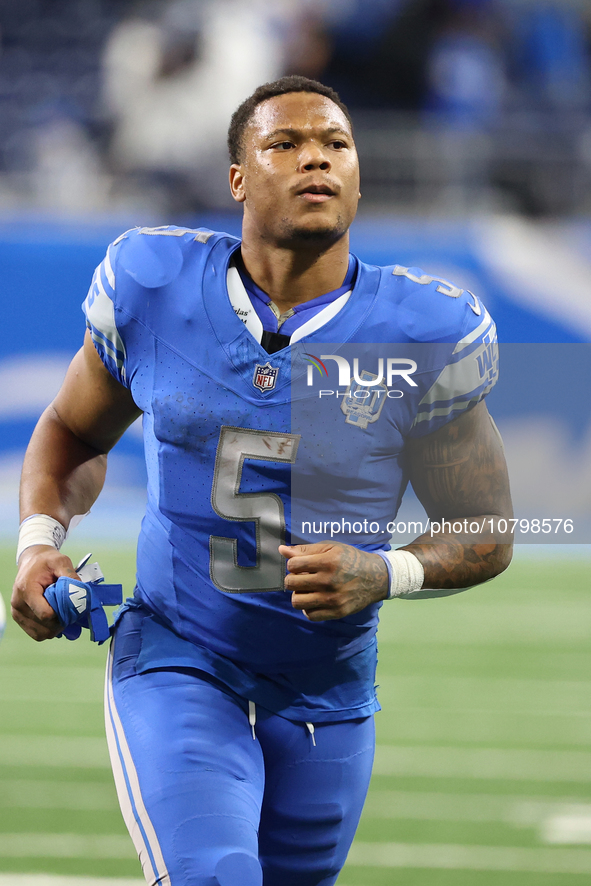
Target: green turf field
(483, 769)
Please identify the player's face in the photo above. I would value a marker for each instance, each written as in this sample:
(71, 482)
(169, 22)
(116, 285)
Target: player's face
(299, 178)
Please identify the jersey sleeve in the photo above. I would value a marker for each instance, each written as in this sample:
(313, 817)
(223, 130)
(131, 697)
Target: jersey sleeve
(470, 372)
(99, 309)
(128, 304)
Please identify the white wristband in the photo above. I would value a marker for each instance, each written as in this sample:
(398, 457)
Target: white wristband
(406, 574)
(39, 529)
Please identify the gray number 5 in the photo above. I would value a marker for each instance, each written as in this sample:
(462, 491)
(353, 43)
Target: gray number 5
(265, 509)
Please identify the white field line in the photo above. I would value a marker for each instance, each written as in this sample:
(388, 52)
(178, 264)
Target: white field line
(41, 695)
(53, 750)
(478, 726)
(521, 811)
(470, 858)
(434, 762)
(58, 653)
(479, 709)
(476, 624)
(66, 846)
(75, 795)
(506, 694)
(487, 763)
(57, 880)
(523, 696)
(53, 683)
(572, 828)
(534, 553)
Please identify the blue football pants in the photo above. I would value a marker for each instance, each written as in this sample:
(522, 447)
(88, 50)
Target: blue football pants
(207, 804)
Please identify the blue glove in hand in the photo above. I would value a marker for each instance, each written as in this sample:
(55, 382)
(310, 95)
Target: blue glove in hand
(79, 604)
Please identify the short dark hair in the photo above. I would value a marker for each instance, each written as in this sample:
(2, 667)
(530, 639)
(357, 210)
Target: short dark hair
(293, 83)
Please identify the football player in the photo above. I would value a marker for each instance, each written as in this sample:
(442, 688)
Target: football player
(240, 688)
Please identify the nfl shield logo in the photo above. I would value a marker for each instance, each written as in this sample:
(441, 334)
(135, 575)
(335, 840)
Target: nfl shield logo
(264, 377)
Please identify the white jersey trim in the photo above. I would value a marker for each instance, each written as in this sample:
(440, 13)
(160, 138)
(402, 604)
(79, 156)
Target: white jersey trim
(109, 270)
(244, 309)
(486, 323)
(100, 313)
(132, 805)
(322, 317)
(461, 379)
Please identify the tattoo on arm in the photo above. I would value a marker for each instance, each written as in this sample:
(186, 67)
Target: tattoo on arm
(456, 565)
(459, 472)
(365, 575)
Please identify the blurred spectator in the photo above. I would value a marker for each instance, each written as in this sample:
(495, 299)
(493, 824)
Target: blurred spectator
(308, 47)
(409, 55)
(172, 83)
(553, 57)
(476, 100)
(465, 68)
(68, 174)
(363, 67)
(48, 90)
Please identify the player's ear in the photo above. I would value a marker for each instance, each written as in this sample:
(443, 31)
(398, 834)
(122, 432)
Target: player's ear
(237, 183)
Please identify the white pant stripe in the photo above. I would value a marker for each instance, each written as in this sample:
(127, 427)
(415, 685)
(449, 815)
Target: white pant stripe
(137, 820)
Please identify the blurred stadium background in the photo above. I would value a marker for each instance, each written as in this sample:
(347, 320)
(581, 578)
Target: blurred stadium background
(473, 122)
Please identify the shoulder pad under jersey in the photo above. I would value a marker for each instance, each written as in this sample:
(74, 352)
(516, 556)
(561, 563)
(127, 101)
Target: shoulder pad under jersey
(153, 257)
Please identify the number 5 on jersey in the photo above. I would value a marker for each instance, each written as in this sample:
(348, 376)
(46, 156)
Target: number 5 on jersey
(265, 509)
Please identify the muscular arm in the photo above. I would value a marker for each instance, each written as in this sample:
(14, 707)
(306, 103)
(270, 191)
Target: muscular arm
(63, 473)
(65, 463)
(459, 473)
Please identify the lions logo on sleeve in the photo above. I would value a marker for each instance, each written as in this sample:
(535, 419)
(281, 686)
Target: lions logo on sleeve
(469, 375)
(471, 370)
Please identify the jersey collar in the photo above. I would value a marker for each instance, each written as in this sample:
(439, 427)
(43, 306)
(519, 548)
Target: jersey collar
(242, 346)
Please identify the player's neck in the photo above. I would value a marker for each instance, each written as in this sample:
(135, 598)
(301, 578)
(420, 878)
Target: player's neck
(292, 277)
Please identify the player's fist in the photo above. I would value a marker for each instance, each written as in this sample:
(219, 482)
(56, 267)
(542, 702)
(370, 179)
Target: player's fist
(330, 580)
(39, 567)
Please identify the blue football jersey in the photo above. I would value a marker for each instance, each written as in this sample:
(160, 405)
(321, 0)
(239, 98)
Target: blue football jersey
(232, 434)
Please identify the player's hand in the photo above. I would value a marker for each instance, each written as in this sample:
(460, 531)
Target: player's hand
(330, 580)
(39, 567)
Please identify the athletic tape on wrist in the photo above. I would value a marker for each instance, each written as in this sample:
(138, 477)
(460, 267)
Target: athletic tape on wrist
(406, 573)
(40, 529)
